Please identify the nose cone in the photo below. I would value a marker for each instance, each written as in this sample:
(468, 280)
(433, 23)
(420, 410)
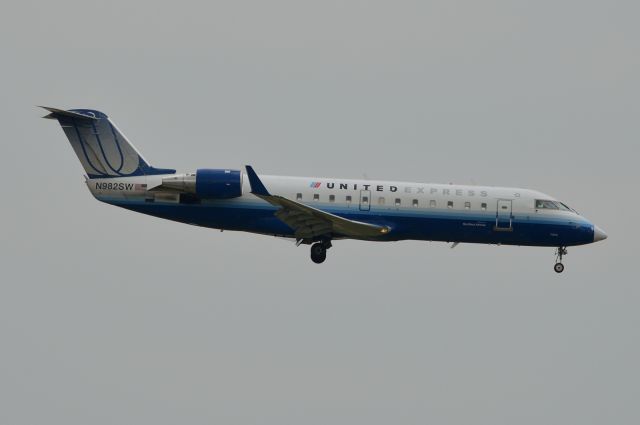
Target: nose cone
(598, 234)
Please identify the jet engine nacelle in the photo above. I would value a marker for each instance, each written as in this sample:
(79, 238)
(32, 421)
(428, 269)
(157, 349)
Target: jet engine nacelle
(206, 183)
(218, 184)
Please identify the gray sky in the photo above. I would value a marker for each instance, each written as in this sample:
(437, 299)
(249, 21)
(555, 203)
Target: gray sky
(111, 317)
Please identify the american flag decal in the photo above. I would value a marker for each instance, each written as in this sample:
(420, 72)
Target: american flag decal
(315, 185)
(140, 187)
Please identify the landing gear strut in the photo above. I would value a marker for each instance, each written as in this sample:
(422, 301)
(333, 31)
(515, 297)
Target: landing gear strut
(559, 267)
(319, 251)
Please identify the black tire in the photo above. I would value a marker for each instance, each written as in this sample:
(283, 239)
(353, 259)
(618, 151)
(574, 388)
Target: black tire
(558, 267)
(318, 253)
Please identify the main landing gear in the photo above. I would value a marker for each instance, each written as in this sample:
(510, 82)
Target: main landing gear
(319, 251)
(559, 267)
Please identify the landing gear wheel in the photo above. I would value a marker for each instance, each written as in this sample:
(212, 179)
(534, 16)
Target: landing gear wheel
(560, 252)
(318, 253)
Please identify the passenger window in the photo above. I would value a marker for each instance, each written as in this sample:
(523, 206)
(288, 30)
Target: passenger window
(316, 197)
(432, 203)
(483, 206)
(365, 199)
(450, 204)
(467, 205)
(381, 200)
(415, 203)
(348, 199)
(299, 197)
(397, 202)
(332, 198)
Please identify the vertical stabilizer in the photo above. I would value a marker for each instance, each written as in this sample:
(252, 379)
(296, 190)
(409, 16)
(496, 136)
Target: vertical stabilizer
(101, 148)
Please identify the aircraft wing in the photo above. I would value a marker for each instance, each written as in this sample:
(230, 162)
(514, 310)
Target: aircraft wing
(309, 222)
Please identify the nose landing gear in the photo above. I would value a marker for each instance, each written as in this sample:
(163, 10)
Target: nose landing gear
(559, 267)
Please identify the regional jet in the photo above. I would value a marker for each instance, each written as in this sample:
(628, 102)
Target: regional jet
(316, 211)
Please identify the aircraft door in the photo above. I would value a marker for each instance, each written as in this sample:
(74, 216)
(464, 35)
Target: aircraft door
(504, 217)
(365, 200)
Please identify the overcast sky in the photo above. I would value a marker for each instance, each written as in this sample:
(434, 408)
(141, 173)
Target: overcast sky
(110, 317)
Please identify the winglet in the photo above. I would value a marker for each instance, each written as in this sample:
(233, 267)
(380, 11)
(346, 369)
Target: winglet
(257, 188)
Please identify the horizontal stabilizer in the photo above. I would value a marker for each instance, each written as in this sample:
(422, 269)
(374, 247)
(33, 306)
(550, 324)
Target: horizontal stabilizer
(58, 113)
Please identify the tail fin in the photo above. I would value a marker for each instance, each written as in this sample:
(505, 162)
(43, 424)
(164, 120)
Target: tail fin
(101, 148)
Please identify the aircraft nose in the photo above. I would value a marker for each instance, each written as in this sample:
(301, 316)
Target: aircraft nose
(598, 234)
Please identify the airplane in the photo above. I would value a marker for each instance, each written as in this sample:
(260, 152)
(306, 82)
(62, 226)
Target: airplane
(316, 210)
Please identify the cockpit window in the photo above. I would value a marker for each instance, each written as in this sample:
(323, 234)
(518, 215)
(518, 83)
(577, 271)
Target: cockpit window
(569, 208)
(553, 205)
(566, 207)
(545, 204)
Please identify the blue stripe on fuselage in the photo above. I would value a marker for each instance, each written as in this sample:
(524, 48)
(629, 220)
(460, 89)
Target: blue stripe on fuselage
(434, 225)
